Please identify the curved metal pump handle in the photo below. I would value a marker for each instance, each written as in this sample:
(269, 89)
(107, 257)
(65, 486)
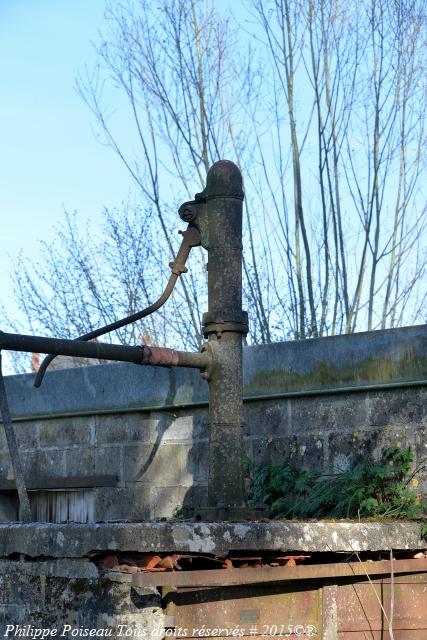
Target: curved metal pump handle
(191, 238)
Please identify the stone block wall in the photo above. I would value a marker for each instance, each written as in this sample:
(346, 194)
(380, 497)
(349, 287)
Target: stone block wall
(324, 432)
(135, 438)
(66, 606)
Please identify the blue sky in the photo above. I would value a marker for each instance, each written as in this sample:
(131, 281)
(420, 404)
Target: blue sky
(50, 158)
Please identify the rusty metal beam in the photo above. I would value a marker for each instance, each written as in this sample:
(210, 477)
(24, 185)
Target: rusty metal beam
(229, 577)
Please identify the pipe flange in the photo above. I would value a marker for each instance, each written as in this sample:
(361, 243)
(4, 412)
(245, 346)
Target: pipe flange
(213, 324)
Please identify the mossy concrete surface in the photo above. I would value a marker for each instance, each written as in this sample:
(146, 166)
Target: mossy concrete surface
(218, 539)
(339, 362)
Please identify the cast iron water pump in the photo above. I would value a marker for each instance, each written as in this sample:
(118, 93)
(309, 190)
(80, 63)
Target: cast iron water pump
(214, 220)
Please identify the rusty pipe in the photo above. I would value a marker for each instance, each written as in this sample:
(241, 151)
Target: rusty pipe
(162, 357)
(155, 356)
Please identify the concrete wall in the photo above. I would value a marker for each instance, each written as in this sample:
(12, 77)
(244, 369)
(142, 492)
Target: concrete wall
(312, 402)
(66, 606)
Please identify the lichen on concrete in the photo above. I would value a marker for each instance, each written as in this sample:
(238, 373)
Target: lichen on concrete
(219, 538)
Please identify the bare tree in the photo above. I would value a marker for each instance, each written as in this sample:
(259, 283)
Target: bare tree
(175, 66)
(79, 284)
(323, 105)
(346, 88)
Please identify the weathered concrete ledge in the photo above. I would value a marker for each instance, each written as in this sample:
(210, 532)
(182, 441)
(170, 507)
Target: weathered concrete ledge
(219, 539)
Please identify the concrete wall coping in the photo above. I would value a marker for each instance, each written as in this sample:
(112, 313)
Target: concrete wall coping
(218, 539)
(360, 361)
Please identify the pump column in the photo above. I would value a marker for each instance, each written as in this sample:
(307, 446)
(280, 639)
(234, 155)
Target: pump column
(224, 325)
(217, 214)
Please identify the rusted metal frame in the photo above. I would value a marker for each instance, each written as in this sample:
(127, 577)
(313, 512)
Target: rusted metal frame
(103, 351)
(191, 238)
(329, 611)
(252, 610)
(230, 577)
(217, 214)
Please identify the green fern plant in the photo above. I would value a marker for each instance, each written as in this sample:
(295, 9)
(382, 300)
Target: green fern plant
(368, 489)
